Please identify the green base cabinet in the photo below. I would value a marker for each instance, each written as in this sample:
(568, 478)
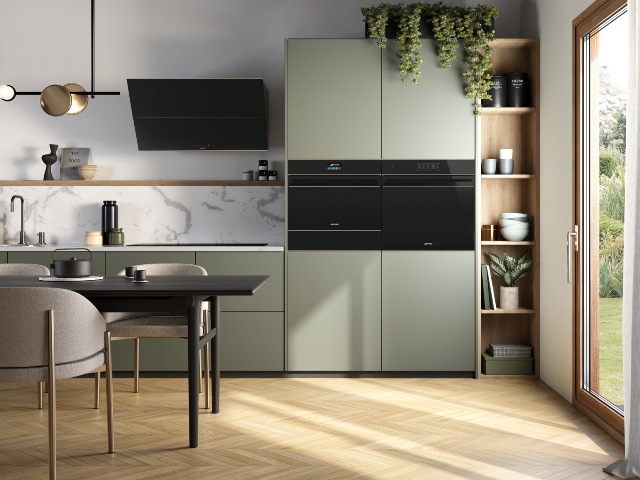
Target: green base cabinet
(46, 258)
(428, 311)
(333, 316)
(270, 298)
(3, 257)
(117, 261)
(252, 342)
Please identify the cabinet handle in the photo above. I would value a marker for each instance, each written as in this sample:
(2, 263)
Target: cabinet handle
(571, 243)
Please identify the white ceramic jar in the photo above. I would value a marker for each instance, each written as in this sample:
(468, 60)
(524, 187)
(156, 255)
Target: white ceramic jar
(93, 238)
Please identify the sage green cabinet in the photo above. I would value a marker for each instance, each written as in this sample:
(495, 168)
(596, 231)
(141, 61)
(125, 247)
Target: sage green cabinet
(430, 120)
(333, 99)
(270, 298)
(333, 316)
(117, 261)
(45, 257)
(428, 311)
(3, 257)
(252, 341)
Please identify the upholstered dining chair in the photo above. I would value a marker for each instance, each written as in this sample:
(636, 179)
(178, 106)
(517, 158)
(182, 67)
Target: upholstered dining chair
(49, 334)
(124, 325)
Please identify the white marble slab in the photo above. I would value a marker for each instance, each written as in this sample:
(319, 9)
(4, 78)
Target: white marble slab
(155, 214)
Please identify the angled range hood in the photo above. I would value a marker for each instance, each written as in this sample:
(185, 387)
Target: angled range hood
(200, 113)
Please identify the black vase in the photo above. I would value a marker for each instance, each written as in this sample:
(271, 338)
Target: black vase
(49, 159)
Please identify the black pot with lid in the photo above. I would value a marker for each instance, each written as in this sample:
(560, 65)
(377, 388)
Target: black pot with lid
(72, 267)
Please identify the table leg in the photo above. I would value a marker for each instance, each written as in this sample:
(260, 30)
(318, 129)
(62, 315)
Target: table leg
(215, 355)
(194, 374)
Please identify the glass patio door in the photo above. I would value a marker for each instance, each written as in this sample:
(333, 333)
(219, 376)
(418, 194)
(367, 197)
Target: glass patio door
(600, 72)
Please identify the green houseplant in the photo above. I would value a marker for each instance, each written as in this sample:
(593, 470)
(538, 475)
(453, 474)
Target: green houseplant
(511, 271)
(472, 26)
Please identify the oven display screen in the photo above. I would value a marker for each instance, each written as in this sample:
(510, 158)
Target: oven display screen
(334, 166)
(428, 167)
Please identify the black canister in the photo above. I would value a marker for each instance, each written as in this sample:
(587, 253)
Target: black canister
(498, 92)
(109, 219)
(517, 89)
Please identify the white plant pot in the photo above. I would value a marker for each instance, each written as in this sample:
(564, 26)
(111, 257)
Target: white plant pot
(509, 298)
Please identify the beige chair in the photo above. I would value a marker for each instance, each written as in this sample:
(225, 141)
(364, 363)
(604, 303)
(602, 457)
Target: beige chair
(48, 334)
(127, 325)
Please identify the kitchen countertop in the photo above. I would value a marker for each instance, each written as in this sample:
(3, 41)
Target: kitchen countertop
(147, 248)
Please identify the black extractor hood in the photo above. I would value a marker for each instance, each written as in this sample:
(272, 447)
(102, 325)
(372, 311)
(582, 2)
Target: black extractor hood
(200, 113)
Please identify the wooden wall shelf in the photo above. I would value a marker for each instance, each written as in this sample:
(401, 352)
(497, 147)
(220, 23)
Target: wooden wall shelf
(140, 183)
(500, 311)
(508, 110)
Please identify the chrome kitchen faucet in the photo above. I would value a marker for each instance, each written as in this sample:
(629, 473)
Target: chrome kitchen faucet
(22, 239)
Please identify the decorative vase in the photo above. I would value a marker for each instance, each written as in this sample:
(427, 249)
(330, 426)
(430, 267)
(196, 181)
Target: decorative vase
(509, 298)
(49, 159)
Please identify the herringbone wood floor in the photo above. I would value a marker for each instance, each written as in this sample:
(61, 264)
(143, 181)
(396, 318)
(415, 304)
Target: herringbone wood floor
(315, 428)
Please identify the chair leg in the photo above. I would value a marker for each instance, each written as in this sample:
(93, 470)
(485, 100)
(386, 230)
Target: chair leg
(136, 367)
(109, 375)
(52, 400)
(96, 391)
(40, 402)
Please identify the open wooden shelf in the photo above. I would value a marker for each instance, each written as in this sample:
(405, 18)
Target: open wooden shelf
(519, 129)
(141, 183)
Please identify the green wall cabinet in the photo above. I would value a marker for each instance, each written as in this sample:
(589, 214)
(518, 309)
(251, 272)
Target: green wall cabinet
(333, 99)
(45, 258)
(430, 120)
(334, 311)
(428, 311)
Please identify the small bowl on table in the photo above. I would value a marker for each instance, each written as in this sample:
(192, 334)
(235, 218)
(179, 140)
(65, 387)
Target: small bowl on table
(87, 172)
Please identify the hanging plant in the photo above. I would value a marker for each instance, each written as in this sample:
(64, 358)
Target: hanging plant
(473, 26)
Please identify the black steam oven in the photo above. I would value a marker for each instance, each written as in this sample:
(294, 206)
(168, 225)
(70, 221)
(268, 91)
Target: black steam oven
(334, 205)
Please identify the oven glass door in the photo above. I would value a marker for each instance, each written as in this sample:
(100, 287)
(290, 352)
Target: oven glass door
(428, 212)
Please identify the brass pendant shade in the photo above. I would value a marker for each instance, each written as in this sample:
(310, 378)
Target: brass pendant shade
(55, 100)
(79, 99)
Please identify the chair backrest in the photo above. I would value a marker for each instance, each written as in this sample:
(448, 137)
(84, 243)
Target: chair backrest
(24, 332)
(23, 269)
(170, 269)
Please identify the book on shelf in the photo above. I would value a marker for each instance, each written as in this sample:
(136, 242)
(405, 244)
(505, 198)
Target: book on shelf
(488, 297)
(491, 293)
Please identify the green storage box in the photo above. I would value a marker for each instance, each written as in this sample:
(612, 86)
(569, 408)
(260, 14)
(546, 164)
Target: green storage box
(506, 365)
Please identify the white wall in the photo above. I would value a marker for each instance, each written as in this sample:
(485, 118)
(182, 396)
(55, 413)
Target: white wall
(554, 27)
(44, 42)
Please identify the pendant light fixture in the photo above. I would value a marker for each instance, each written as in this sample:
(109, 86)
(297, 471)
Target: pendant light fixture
(71, 99)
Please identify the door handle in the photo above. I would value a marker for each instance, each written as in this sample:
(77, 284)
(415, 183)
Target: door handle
(572, 241)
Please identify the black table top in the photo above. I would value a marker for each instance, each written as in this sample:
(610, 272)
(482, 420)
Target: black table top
(157, 286)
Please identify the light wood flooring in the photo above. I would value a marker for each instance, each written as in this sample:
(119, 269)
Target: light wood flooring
(309, 428)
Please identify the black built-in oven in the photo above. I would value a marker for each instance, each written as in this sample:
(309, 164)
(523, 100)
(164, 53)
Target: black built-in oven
(334, 205)
(428, 205)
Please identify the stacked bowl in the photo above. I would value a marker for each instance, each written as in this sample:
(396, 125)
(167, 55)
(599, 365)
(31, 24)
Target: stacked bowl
(514, 226)
(87, 172)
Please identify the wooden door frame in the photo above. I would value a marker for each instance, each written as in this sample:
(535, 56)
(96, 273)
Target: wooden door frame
(606, 418)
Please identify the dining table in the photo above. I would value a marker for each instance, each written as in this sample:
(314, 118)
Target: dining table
(175, 295)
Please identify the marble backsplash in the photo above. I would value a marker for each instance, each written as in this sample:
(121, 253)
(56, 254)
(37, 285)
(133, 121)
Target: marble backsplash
(147, 214)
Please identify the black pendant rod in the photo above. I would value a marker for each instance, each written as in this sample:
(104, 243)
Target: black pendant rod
(93, 46)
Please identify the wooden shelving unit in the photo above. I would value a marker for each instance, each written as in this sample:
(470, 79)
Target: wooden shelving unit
(516, 128)
(141, 183)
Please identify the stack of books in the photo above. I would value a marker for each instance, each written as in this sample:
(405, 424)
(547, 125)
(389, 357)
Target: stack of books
(488, 297)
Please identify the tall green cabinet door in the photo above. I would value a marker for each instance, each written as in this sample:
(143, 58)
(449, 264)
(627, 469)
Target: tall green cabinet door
(333, 99)
(333, 302)
(428, 311)
(430, 120)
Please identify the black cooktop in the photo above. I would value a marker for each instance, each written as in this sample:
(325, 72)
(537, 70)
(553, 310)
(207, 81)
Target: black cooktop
(170, 244)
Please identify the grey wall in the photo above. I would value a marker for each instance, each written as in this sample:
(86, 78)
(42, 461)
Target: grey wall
(554, 20)
(44, 42)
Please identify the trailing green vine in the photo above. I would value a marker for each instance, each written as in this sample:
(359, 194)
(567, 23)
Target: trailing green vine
(451, 25)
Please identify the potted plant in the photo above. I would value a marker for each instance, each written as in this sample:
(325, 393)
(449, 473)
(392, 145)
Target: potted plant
(473, 26)
(510, 270)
